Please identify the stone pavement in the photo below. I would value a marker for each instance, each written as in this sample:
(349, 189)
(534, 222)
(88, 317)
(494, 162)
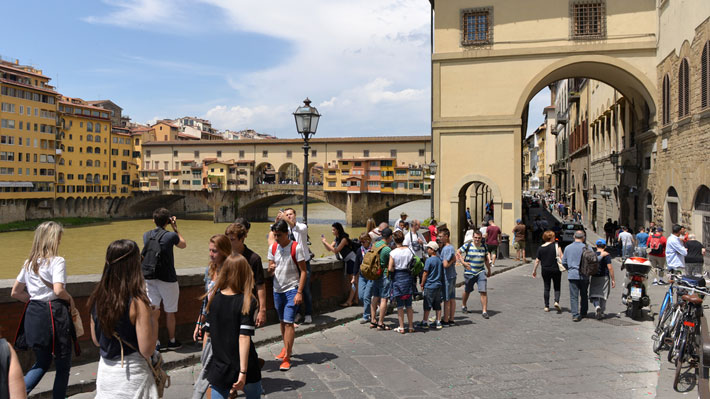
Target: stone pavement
(521, 351)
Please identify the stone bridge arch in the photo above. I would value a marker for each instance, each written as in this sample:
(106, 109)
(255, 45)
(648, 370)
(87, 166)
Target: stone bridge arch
(480, 93)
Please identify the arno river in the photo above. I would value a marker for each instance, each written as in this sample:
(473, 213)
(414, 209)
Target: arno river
(84, 248)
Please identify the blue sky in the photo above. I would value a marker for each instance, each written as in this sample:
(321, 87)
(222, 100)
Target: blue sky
(242, 64)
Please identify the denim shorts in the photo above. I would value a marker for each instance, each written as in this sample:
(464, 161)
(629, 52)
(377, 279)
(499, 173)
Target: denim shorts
(479, 279)
(404, 303)
(283, 302)
(432, 298)
(380, 288)
(450, 289)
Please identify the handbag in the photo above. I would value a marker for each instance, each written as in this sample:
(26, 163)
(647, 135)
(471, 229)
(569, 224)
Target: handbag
(162, 379)
(559, 261)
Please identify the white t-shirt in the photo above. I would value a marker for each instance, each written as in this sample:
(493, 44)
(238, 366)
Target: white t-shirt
(402, 257)
(287, 273)
(411, 240)
(483, 231)
(626, 239)
(300, 233)
(55, 272)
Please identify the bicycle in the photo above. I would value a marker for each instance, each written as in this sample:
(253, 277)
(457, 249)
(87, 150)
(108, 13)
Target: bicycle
(686, 343)
(669, 313)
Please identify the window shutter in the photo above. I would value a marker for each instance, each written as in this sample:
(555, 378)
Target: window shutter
(705, 75)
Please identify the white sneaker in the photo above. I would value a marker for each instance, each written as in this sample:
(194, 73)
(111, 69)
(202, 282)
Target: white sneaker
(308, 319)
(599, 312)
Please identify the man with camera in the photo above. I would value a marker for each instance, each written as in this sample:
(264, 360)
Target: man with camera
(160, 276)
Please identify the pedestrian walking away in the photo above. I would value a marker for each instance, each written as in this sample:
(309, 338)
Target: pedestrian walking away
(432, 286)
(398, 268)
(601, 283)
(46, 326)
(159, 269)
(447, 253)
(220, 248)
(549, 257)
(230, 327)
(342, 248)
(641, 240)
(477, 269)
(627, 242)
(287, 266)
(578, 283)
(493, 235)
(694, 261)
(124, 326)
(519, 233)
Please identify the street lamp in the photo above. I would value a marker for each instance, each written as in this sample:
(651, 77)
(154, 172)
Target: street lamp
(432, 177)
(307, 118)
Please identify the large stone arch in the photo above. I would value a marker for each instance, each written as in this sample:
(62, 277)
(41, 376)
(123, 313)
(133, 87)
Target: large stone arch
(701, 214)
(457, 202)
(289, 172)
(264, 172)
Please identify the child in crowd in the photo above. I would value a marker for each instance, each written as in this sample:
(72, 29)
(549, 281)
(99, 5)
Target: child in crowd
(432, 286)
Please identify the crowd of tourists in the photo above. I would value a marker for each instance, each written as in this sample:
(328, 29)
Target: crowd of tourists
(385, 266)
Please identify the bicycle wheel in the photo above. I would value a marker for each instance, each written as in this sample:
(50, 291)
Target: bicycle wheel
(679, 360)
(665, 314)
(676, 335)
(659, 342)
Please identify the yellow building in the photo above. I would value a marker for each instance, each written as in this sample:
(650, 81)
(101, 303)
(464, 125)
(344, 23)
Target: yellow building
(122, 169)
(83, 168)
(28, 126)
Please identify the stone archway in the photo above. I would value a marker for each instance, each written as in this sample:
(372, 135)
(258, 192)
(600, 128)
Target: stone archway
(701, 215)
(289, 173)
(264, 173)
(457, 204)
(671, 209)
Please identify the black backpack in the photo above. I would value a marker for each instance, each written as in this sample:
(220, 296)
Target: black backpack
(151, 255)
(589, 264)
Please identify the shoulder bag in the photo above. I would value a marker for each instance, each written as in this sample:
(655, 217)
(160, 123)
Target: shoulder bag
(559, 261)
(162, 379)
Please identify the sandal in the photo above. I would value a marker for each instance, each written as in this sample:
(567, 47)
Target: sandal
(383, 327)
(373, 324)
(345, 305)
(400, 330)
(411, 330)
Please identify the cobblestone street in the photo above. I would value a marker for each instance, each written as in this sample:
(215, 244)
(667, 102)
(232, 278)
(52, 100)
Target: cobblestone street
(521, 351)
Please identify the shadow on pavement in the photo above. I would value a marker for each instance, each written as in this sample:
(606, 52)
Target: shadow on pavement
(272, 385)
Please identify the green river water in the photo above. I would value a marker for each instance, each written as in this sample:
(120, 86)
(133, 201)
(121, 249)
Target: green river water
(84, 248)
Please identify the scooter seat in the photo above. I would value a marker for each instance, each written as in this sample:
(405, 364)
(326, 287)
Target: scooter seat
(694, 299)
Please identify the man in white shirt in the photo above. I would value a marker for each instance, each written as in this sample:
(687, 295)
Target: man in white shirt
(287, 265)
(414, 239)
(299, 232)
(402, 218)
(627, 242)
(675, 250)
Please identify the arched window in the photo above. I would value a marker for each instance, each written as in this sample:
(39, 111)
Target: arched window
(89, 137)
(97, 128)
(89, 162)
(89, 150)
(97, 150)
(666, 100)
(683, 89)
(97, 163)
(705, 78)
(89, 127)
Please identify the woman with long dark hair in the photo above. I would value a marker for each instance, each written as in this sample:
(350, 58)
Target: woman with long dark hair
(220, 247)
(123, 326)
(342, 249)
(46, 325)
(231, 315)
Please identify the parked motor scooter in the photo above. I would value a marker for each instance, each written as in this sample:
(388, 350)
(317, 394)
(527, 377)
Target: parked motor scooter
(635, 294)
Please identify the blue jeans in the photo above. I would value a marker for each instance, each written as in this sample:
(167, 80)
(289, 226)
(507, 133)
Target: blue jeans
(61, 379)
(578, 288)
(627, 251)
(364, 293)
(251, 391)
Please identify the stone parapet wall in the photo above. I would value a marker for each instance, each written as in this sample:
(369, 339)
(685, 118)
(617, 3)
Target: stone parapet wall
(328, 288)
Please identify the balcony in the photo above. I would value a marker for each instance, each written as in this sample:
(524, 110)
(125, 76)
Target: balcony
(562, 118)
(573, 96)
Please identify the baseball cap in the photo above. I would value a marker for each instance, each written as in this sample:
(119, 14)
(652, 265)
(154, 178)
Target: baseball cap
(433, 245)
(659, 229)
(386, 232)
(601, 242)
(403, 214)
(518, 221)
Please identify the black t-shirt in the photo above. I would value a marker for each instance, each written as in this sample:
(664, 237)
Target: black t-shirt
(256, 267)
(695, 252)
(548, 258)
(226, 324)
(166, 271)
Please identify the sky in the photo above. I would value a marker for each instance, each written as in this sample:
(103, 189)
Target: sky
(535, 107)
(242, 64)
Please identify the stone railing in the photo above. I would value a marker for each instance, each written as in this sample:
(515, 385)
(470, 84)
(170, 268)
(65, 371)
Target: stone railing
(328, 288)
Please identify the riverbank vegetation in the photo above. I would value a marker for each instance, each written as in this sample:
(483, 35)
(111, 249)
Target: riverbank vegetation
(32, 224)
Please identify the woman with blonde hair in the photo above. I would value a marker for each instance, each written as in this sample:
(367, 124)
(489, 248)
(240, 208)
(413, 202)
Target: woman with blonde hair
(220, 247)
(46, 326)
(124, 326)
(231, 314)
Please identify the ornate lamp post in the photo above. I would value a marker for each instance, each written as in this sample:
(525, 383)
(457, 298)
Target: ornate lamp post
(432, 177)
(307, 118)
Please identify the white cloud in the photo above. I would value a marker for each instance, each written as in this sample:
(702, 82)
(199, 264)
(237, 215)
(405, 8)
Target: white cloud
(135, 13)
(362, 55)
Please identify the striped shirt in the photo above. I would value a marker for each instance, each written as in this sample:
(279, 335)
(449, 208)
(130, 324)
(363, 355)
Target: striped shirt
(475, 257)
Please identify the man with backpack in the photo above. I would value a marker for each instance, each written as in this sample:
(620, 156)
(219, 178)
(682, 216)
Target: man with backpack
(656, 248)
(159, 269)
(474, 257)
(287, 265)
(578, 282)
(374, 262)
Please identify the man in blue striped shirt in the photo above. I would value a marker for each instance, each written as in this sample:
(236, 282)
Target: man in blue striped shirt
(477, 268)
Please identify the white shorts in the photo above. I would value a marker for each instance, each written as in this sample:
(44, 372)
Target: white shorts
(168, 293)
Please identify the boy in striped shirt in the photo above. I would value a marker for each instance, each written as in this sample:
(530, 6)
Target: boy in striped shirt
(477, 268)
